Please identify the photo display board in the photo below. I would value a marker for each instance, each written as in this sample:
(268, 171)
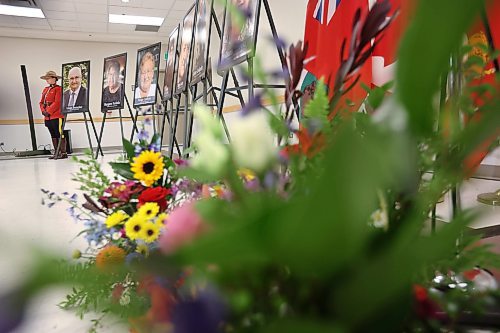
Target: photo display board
(146, 75)
(168, 83)
(201, 44)
(239, 33)
(75, 86)
(185, 50)
(113, 82)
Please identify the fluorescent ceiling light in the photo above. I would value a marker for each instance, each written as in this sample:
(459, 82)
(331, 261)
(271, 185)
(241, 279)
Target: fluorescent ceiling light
(21, 11)
(140, 20)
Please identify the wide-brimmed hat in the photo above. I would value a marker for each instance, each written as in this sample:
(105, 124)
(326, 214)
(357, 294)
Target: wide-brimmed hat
(50, 74)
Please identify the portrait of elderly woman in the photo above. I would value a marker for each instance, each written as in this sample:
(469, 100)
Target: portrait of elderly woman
(113, 79)
(238, 41)
(146, 76)
(185, 51)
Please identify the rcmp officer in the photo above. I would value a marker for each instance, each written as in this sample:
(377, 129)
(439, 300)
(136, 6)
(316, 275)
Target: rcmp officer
(50, 105)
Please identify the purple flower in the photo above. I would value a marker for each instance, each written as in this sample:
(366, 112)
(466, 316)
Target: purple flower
(142, 135)
(203, 314)
(255, 103)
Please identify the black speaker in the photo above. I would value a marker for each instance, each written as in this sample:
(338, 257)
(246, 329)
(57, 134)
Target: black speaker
(69, 145)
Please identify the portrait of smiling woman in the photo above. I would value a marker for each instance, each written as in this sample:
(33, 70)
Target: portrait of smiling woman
(148, 59)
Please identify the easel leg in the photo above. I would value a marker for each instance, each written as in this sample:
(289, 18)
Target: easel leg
(135, 124)
(186, 117)
(162, 131)
(174, 130)
(121, 129)
(220, 105)
(100, 134)
(95, 133)
(134, 121)
(58, 148)
(88, 133)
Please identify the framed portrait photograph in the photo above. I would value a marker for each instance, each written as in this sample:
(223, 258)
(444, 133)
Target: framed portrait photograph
(113, 82)
(168, 82)
(185, 50)
(239, 33)
(75, 86)
(146, 75)
(201, 45)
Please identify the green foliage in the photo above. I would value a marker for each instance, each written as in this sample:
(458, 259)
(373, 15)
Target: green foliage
(424, 55)
(92, 179)
(318, 107)
(122, 169)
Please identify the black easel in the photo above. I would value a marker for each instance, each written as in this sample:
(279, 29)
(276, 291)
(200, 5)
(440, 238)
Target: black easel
(35, 151)
(99, 149)
(251, 82)
(134, 126)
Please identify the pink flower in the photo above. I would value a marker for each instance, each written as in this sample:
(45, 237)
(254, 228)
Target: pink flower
(183, 225)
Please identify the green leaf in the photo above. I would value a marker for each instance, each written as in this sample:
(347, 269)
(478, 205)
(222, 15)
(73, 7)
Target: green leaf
(318, 106)
(129, 149)
(122, 169)
(424, 54)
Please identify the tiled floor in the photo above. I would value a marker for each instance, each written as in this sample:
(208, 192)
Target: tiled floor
(25, 222)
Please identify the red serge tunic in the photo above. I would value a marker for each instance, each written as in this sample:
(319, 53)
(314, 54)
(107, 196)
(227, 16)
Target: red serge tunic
(51, 101)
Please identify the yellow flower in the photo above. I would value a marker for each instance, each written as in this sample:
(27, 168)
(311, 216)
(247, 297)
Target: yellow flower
(150, 232)
(246, 174)
(115, 219)
(134, 226)
(142, 249)
(148, 210)
(147, 167)
(161, 219)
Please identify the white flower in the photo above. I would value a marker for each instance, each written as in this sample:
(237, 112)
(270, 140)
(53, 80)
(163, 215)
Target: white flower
(124, 299)
(379, 219)
(253, 142)
(212, 155)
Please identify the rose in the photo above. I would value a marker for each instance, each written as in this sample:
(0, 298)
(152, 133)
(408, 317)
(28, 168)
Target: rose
(155, 194)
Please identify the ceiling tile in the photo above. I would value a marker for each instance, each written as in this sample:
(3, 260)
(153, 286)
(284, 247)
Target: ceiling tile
(99, 2)
(176, 15)
(165, 4)
(65, 6)
(51, 14)
(87, 17)
(6, 19)
(94, 26)
(64, 23)
(91, 8)
(66, 28)
(116, 27)
(131, 3)
(32, 22)
(182, 5)
(137, 11)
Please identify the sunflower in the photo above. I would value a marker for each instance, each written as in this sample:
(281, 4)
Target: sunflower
(147, 167)
(134, 226)
(150, 232)
(115, 219)
(148, 210)
(110, 257)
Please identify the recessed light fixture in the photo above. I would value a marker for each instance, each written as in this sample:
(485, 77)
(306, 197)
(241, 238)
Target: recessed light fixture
(131, 19)
(125, 1)
(21, 11)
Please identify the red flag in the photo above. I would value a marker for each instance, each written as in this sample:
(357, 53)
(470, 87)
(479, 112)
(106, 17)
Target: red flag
(328, 23)
(384, 55)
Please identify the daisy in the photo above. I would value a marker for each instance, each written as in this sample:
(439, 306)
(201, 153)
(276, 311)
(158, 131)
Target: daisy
(150, 232)
(148, 210)
(134, 226)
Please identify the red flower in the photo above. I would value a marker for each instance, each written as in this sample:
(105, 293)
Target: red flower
(155, 194)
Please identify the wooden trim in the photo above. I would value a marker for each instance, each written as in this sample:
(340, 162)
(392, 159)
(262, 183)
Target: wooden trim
(228, 109)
